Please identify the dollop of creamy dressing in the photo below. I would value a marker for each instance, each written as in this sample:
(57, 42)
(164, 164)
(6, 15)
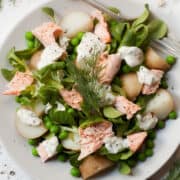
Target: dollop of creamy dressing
(146, 76)
(50, 54)
(90, 46)
(115, 144)
(28, 117)
(147, 122)
(133, 56)
(60, 107)
(50, 146)
(64, 42)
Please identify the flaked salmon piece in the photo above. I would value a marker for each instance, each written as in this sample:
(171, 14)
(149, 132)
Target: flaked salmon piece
(136, 140)
(126, 107)
(48, 148)
(19, 82)
(151, 89)
(101, 28)
(110, 65)
(73, 98)
(92, 137)
(47, 33)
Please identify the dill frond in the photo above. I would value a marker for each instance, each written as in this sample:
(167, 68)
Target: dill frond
(86, 82)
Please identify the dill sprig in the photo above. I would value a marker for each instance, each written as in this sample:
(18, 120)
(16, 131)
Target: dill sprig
(86, 82)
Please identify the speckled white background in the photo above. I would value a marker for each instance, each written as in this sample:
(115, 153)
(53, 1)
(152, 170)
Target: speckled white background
(9, 15)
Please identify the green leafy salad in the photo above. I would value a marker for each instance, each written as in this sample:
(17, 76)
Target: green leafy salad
(91, 90)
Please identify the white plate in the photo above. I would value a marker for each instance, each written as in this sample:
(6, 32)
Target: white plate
(167, 139)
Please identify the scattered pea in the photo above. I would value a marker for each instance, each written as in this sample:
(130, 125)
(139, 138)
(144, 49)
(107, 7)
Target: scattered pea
(172, 115)
(131, 162)
(75, 172)
(71, 111)
(46, 119)
(73, 57)
(48, 124)
(62, 157)
(33, 142)
(152, 134)
(141, 156)
(30, 44)
(74, 41)
(59, 148)
(34, 151)
(126, 69)
(29, 36)
(54, 129)
(148, 152)
(63, 135)
(149, 143)
(170, 59)
(160, 124)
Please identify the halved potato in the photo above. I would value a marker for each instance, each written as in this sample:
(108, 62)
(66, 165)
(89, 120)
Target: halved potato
(72, 142)
(161, 105)
(93, 165)
(29, 132)
(154, 61)
(131, 85)
(75, 22)
(35, 60)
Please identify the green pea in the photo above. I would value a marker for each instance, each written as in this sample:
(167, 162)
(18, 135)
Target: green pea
(63, 135)
(48, 124)
(54, 129)
(33, 142)
(172, 115)
(75, 50)
(74, 41)
(160, 124)
(148, 152)
(117, 81)
(170, 59)
(113, 22)
(46, 119)
(73, 57)
(34, 151)
(75, 172)
(149, 143)
(141, 156)
(59, 148)
(30, 44)
(62, 157)
(126, 69)
(80, 35)
(131, 162)
(152, 134)
(29, 36)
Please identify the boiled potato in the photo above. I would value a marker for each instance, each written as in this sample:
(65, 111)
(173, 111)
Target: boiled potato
(131, 85)
(161, 105)
(75, 22)
(93, 165)
(154, 61)
(35, 60)
(29, 132)
(72, 141)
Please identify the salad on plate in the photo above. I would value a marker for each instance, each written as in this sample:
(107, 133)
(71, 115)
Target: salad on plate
(91, 90)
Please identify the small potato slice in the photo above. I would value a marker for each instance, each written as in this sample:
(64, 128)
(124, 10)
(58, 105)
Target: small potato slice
(72, 142)
(75, 22)
(161, 105)
(35, 60)
(154, 61)
(29, 132)
(131, 85)
(93, 165)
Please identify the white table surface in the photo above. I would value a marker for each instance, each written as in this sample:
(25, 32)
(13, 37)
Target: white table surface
(9, 15)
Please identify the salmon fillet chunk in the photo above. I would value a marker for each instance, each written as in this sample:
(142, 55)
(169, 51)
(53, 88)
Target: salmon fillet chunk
(92, 137)
(126, 107)
(47, 33)
(19, 82)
